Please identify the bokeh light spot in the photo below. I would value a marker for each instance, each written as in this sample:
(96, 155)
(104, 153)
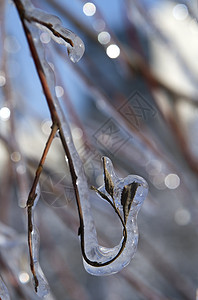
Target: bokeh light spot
(46, 127)
(59, 91)
(77, 133)
(15, 156)
(104, 37)
(11, 44)
(180, 12)
(172, 181)
(89, 9)
(99, 25)
(45, 38)
(158, 181)
(2, 78)
(21, 169)
(113, 51)
(182, 217)
(24, 277)
(4, 113)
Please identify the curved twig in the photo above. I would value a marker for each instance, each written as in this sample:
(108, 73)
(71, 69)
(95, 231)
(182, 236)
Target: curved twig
(76, 171)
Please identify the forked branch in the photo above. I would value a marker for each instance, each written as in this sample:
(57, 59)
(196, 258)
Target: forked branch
(97, 260)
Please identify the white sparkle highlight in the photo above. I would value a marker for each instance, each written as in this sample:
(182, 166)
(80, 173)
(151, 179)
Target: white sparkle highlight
(24, 277)
(180, 12)
(4, 113)
(59, 91)
(89, 9)
(113, 51)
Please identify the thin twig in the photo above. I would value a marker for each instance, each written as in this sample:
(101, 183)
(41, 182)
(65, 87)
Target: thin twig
(56, 122)
(31, 199)
(130, 278)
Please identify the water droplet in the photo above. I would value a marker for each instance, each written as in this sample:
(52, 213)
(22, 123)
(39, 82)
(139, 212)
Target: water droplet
(77, 51)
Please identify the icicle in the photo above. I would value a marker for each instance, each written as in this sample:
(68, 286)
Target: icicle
(52, 25)
(4, 295)
(42, 287)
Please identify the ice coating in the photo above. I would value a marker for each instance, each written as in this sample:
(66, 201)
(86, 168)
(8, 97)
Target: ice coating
(4, 294)
(103, 254)
(76, 51)
(43, 287)
(93, 250)
(53, 26)
(95, 254)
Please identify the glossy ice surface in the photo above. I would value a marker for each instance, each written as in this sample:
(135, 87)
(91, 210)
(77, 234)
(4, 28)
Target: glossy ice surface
(102, 254)
(61, 35)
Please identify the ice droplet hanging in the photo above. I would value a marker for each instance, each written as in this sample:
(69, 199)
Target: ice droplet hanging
(53, 26)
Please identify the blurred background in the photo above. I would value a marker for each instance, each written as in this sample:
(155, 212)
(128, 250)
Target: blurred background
(133, 98)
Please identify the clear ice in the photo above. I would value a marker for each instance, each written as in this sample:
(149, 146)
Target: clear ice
(53, 26)
(129, 211)
(43, 288)
(107, 259)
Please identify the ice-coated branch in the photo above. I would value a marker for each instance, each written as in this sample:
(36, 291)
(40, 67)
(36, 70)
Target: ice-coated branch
(53, 26)
(40, 282)
(124, 195)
